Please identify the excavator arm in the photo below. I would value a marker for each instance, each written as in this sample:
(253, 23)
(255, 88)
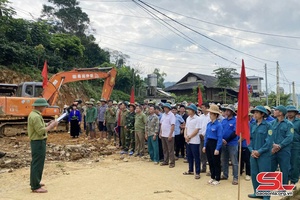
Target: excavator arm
(51, 91)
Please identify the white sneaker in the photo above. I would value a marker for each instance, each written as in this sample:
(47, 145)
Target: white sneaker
(210, 181)
(215, 182)
(248, 178)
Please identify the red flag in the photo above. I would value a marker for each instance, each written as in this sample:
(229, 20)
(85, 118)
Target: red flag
(242, 122)
(200, 101)
(132, 96)
(45, 74)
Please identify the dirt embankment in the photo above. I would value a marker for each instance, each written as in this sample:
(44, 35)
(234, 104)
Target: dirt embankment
(67, 93)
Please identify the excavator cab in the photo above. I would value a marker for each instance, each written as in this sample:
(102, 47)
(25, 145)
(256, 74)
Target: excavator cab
(29, 89)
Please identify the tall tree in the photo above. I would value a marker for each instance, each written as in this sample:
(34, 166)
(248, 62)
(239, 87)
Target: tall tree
(66, 16)
(5, 9)
(160, 77)
(225, 79)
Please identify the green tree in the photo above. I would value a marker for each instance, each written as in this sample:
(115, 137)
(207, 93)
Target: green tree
(40, 51)
(6, 10)
(284, 100)
(225, 79)
(118, 58)
(69, 48)
(67, 16)
(160, 77)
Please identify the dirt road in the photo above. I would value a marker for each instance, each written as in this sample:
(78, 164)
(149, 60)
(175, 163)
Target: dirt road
(112, 178)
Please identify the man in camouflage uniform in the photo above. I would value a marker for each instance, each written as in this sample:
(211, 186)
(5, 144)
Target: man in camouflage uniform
(122, 117)
(110, 120)
(129, 128)
(146, 107)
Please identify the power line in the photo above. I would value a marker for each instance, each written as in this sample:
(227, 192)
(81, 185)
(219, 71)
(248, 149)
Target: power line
(220, 43)
(239, 38)
(192, 42)
(153, 47)
(128, 8)
(238, 29)
(176, 62)
(106, 1)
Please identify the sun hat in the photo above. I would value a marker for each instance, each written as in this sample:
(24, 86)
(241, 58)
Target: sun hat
(291, 109)
(167, 105)
(115, 102)
(214, 109)
(92, 100)
(230, 107)
(260, 109)
(98, 102)
(192, 107)
(151, 103)
(132, 104)
(268, 109)
(41, 102)
(89, 103)
(103, 100)
(282, 109)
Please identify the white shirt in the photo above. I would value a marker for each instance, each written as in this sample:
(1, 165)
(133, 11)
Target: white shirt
(193, 123)
(205, 119)
(167, 120)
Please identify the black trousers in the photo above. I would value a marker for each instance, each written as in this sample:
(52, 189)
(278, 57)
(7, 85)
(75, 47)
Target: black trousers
(245, 160)
(38, 155)
(161, 153)
(214, 161)
(179, 145)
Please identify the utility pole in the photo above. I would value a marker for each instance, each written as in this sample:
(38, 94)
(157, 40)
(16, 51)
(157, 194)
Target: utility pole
(294, 94)
(266, 78)
(277, 85)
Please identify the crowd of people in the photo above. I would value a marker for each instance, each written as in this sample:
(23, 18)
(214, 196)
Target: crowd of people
(196, 133)
(199, 134)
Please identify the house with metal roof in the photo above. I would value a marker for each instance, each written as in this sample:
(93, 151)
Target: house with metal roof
(212, 92)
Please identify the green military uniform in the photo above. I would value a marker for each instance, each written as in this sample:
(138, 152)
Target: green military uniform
(260, 140)
(295, 149)
(110, 121)
(123, 116)
(38, 135)
(146, 111)
(283, 136)
(130, 137)
(139, 129)
(91, 117)
(152, 128)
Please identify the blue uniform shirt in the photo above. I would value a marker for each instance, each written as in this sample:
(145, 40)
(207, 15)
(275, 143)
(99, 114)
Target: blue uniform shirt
(244, 143)
(296, 140)
(178, 122)
(261, 138)
(229, 126)
(214, 131)
(269, 119)
(283, 133)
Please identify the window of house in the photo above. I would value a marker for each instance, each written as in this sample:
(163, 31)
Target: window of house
(254, 87)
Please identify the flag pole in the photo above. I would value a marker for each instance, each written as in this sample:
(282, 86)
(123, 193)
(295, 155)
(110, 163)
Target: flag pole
(239, 166)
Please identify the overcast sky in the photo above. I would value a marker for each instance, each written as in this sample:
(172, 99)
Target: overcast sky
(123, 26)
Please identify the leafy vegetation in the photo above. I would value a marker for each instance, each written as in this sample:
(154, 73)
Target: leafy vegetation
(225, 80)
(63, 37)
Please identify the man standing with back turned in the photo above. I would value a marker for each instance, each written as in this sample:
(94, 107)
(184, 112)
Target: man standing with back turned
(37, 132)
(283, 133)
